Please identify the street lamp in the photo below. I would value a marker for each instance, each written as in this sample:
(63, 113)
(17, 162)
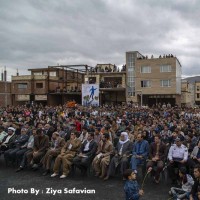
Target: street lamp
(141, 97)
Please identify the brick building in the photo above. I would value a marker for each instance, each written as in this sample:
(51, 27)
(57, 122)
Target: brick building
(5, 93)
(53, 86)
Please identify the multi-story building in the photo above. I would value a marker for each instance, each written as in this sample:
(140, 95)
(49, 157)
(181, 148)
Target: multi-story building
(153, 80)
(5, 93)
(53, 85)
(144, 81)
(197, 92)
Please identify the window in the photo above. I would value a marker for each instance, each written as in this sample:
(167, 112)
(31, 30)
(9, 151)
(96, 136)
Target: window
(198, 95)
(198, 88)
(52, 73)
(165, 68)
(39, 85)
(165, 83)
(145, 69)
(37, 73)
(22, 86)
(146, 83)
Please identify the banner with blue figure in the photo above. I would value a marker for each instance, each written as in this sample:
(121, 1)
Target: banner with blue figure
(90, 94)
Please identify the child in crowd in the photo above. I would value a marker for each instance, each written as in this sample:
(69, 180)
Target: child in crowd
(131, 186)
(187, 182)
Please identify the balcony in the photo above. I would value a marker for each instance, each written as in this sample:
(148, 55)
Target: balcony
(20, 78)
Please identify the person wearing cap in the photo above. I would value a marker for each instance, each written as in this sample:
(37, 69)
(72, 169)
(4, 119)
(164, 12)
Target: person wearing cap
(68, 152)
(178, 156)
(102, 158)
(122, 153)
(20, 141)
(8, 140)
(56, 145)
(131, 186)
(187, 183)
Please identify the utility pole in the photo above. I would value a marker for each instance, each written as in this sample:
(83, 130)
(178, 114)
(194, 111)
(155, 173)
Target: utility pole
(141, 97)
(5, 86)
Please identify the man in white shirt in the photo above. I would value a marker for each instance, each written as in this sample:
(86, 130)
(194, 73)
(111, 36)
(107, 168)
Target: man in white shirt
(178, 156)
(86, 153)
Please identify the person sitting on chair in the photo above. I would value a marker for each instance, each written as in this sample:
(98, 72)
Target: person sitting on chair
(178, 156)
(140, 152)
(86, 154)
(122, 153)
(157, 156)
(66, 155)
(102, 159)
(41, 145)
(8, 140)
(56, 145)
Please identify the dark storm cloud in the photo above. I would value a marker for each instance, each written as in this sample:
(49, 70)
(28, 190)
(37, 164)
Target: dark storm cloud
(41, 33)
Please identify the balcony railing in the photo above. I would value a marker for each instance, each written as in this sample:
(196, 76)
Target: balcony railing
(64, 91)
(110, 85)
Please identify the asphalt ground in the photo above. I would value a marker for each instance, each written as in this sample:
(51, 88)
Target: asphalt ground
(111, 189)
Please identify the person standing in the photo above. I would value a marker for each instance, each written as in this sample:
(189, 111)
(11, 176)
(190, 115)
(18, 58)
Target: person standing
(131, 186)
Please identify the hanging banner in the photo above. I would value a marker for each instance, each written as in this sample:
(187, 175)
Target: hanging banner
(90, 94)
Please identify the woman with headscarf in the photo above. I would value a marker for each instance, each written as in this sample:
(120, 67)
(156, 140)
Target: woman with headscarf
(121, 155)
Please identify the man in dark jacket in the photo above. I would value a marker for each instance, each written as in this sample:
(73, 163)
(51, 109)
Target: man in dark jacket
(41, 145)
(20, 140)
(157, 155)
(196, 187)
(87, 153)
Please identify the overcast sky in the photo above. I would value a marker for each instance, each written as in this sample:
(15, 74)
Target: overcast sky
(39, 33)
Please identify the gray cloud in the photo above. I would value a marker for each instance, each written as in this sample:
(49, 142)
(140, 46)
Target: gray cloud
(41, 33)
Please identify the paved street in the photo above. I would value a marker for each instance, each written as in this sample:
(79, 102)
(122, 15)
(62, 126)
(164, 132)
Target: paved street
(111, 189)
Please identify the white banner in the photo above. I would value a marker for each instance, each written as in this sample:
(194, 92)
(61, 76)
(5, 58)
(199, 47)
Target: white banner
(90, 94)
(22, 97)
(39, 97)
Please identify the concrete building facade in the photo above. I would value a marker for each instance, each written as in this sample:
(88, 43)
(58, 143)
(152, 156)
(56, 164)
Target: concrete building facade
(153, 80)
(187, 94)
(112, 83)
(197, 92)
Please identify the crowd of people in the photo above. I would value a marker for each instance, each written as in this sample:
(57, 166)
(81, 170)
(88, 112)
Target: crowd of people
(108, 139)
